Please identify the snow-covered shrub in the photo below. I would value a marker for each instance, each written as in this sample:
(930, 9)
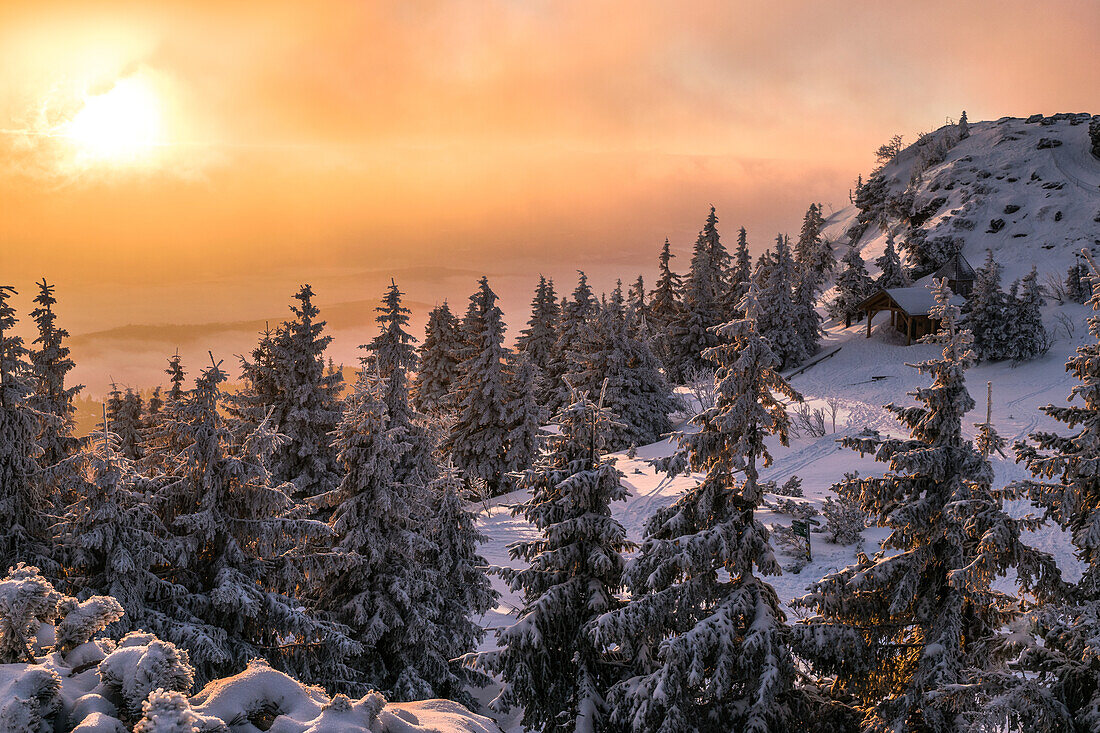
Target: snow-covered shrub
(29, 698)
(802, 510)
(844, 520)
(26, 601)
(83, 620)
(790, 487)
(141, 664)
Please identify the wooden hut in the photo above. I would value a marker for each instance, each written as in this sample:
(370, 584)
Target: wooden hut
(909, 309)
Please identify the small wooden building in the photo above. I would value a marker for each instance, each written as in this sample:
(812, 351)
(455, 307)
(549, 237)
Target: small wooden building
(960, 275)
(909, 309)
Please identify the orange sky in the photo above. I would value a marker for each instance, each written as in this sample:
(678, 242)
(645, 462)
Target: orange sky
(313, 141)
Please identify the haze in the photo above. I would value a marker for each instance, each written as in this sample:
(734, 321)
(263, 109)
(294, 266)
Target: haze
(245, 150)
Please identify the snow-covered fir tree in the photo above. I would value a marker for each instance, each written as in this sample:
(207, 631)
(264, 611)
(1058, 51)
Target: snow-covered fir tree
(637, 392)
(963, 127)
(549, 662)
(306, 406)
(383, 590)
(780, 320)
(467, 594)
(52, 398)
(664, 305)
(538, 340)
(704, 636)
(891, 272)
(478, 442)
(871, 201)
(25, 501)
(813, 253)
(702, 306)
(808, 319)
(853, 286)
(904, 632)
(242, 540)
(392, 355)
(987, 312)
(575, 315)
(439, 361)
(1077, 284)
(741, 272)
(1059, 654)
(126, 420)
(1027, 334)
(523, 415)
(635, 299)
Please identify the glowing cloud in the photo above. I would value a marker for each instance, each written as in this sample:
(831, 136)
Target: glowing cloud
(120, 126)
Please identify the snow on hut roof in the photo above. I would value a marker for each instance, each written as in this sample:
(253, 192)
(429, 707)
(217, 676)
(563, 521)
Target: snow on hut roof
(956, 268)
(918, 301)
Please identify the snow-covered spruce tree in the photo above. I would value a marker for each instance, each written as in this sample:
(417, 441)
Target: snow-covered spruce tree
(871, 202)
(306, 405)
(741, 271)
(987, 312)
(261, 391)
(541, 335)
(637, 392)
(158, 441)
(963, 126)
(906, 634)
(392, 356)
(813, 253)
(478, 442)
(554, 393)
(664, 306)
(117, 544)
(241, 539)
(549, 662)
(462, 583)
(780, 320)
(702, 306)
(853, 285)
(439, 361)
(385, 592)
(892, 274)
(809, 320)
(50, 362)
(1027, 334)
(25, 502)
(1077, 284)
(1066, 484)
(523, 415)
(635, 300)
(704, 636)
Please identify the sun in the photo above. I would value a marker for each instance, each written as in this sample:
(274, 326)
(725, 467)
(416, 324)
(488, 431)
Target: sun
(121, 125)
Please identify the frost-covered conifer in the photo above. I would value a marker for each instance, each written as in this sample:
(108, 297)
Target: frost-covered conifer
(664, 306)
(392, 356)
(853, 286)
(963, 126)
(871, 202)
(813, 253)
(242, 540)
(550, 664)
(637, 392)
(702, 306)
(1077, 285)
(905, 633)
(383, 591)
(808, 319)
(1027, 335)
(635, 299)
(126, 420)
(49, 357)
(706, 639)
(478, 442)
(539, 338)
(523, 416)
(439, 361)
(575, 316)
(987, 312)
(24, 500)
(463, 583)
(892, 274)
(780, 320)
(305, 406)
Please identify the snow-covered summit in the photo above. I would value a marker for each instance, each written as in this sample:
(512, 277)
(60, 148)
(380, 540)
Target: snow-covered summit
(1029, 189)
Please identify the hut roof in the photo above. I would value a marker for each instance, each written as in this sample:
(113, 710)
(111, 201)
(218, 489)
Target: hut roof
(916, 301)
(956, 268)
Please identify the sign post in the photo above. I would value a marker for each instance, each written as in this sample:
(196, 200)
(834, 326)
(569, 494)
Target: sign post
(802, 529)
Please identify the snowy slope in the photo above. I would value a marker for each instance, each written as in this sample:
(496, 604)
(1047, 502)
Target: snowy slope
(998, 166)
(981, 179)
